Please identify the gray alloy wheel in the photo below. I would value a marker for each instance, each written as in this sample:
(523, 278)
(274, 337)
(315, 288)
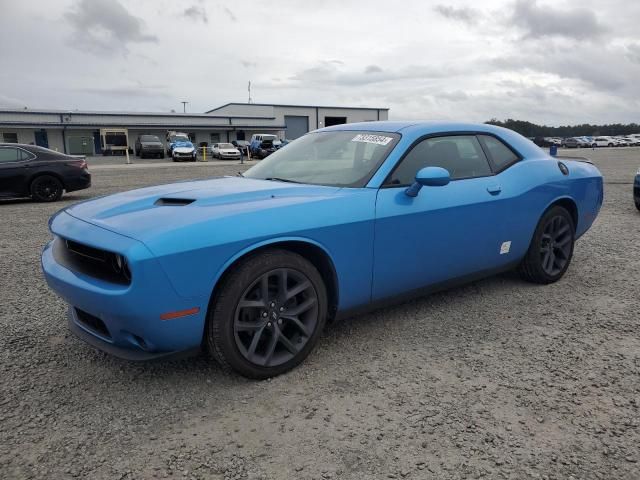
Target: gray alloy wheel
(275, 317)
(268, 314)
(551, 248)
(46, 188)
(556, 245)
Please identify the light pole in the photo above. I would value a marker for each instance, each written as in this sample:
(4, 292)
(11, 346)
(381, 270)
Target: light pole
(184, 106)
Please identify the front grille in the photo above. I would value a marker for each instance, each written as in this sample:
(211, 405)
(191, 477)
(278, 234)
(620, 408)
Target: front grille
(93, 322)
(91, 261)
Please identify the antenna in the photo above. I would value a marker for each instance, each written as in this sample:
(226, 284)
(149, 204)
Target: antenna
(249, 89)
(184, 106)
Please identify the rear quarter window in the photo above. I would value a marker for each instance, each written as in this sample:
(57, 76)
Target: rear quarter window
(501, 155)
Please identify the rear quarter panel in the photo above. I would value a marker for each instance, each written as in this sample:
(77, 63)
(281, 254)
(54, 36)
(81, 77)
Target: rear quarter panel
(532, 186)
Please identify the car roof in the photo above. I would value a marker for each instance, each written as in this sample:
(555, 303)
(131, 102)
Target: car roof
(22, 145)
(417, 129)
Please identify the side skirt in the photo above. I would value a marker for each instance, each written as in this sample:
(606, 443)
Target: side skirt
(422, 292)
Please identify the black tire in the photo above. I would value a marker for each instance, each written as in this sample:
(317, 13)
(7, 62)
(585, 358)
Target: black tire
(46, 188)
(637, 202)
(551, 248)
(271, 316)
(161, 155)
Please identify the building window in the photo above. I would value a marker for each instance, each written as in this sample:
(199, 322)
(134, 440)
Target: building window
(10, 137)
(330, 121)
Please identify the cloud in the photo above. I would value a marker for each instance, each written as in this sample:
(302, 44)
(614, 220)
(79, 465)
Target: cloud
(196, 12)
(104, 27)
(134, 91)
(230, 14)
(461, 14)
(547, 21)
(11, 102)
(453, 96)
(333, 72)
(633, 52)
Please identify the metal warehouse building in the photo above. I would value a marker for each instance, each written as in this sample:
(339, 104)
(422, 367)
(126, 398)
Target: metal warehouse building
(78, 132)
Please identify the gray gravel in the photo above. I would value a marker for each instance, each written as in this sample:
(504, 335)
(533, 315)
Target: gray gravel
(498, 379)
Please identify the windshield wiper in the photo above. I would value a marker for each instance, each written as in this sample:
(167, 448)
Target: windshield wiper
(277, 179)
(240, 174)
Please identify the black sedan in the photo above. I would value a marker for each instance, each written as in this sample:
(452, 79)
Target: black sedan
(40, 173)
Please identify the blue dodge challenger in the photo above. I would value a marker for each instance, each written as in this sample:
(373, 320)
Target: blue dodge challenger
(345, 218)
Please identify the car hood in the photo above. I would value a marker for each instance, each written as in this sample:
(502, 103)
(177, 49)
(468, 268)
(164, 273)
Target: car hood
(151, 144)
(147, 213)
(182, 144)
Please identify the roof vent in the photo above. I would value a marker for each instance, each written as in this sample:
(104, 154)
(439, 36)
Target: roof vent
(173, 202)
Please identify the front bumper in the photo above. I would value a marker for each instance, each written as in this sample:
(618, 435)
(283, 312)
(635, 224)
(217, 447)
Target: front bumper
(152, 150)
(229, 156)
(128, 315)
(185, 155)
(84, 333)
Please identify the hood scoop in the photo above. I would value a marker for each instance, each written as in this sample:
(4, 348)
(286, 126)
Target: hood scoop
(173, 202)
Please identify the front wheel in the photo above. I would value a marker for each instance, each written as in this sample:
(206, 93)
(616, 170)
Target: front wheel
(268, 315)
(46, 188)
(551, 248)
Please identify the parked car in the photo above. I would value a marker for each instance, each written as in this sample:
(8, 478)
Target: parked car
(225, 151)
(262, 145)
(571, 143)
(242, 145)
(602, 142)
(149, 145)
(173, 138)
(636, 189)
(180, 147)
(342, 219)
(40, 173)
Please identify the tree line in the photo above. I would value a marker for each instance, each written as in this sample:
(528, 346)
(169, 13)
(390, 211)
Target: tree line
(529, 129)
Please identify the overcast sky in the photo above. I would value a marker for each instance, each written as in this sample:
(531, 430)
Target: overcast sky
(551, 62)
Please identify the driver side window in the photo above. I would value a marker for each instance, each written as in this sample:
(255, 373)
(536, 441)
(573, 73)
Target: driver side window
(461, 155)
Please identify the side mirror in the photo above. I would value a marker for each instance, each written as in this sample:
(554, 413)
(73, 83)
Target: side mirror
(429, 177)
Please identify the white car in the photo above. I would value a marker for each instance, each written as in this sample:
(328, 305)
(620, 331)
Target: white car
(224, 151)
(186, 153)
(603, 142)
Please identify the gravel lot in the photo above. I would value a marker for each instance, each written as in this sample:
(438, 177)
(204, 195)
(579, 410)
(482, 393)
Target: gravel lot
(498, 379)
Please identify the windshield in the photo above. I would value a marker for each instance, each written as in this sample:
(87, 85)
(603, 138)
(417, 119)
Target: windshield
(149, 138)
(179, 138)
(336, 158)
(226, 145)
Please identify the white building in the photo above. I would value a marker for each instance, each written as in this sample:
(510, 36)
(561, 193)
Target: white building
(77, 132)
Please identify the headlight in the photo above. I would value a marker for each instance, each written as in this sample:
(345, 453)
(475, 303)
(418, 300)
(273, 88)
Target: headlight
(119, 265)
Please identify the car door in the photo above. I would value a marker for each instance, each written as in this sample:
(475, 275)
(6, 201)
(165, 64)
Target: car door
(14, 170)
(444, 233)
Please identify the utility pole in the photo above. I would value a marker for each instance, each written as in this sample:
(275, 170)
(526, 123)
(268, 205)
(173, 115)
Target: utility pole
(249, 89)
(184, 106)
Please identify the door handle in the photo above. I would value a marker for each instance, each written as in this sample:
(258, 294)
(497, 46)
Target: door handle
(494, 189)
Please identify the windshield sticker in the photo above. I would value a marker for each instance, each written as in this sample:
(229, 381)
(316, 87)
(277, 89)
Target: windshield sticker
(377, 139)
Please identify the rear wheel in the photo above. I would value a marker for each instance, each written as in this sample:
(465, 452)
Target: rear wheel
(268, 315)
(551, 248)
(46, 188)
